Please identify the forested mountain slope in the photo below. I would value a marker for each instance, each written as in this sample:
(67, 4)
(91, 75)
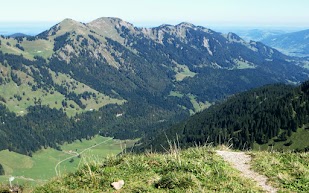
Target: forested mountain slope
(270, 113)
(114, 78)
(294, 44)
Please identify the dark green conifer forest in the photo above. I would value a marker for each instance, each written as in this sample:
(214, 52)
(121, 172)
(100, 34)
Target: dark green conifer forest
(256, 116)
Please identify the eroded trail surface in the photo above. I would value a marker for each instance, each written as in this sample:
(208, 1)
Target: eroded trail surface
(241, 162)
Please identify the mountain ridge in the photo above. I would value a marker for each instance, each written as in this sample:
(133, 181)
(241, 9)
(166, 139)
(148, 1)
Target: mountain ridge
(294, 43)
(154, 77)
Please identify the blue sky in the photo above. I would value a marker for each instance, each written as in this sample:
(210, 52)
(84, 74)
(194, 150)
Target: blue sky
(255, 13)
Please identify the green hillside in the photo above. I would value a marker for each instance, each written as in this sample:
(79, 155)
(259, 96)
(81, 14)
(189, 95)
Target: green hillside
(22, 87)
(108, 77)
(272, 117)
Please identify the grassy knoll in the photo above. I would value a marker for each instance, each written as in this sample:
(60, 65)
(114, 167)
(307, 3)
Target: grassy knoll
(288, 171)
(197, 169)
(192, 170)
(43, 48)
(8, 46)
(41, 166)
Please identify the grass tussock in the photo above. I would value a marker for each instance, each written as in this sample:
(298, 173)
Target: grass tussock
(193, 170)
(5, 188)
(288, 171)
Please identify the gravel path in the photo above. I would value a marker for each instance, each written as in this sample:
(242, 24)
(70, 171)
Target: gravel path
(241, 162)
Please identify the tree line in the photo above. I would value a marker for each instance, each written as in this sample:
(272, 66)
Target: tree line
(256, 116)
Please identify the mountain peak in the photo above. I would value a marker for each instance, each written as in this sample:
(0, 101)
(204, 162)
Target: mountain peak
(103, 21)
(185, 24)
(68, 21)
(68, 24)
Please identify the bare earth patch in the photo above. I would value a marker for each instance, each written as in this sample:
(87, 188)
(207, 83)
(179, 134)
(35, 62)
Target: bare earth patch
(241, 162)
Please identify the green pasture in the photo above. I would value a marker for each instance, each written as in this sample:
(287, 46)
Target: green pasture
(41, 166)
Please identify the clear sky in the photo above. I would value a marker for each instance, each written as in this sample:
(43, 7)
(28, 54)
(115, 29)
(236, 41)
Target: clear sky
(286, 13)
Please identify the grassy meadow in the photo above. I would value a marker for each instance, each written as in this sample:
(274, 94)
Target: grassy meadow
(197, 106)
(182, 72)
(40, 167)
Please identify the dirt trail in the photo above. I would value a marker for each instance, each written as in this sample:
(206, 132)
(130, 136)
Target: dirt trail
(241, 162)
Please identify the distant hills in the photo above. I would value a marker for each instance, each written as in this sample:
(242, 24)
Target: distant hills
(153, 77)
(18, 35)
(258, 34)
(294, 44)
(289, 43)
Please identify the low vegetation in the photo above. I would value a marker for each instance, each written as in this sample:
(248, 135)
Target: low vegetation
(288, 171)
(197, 169)
(192, 170)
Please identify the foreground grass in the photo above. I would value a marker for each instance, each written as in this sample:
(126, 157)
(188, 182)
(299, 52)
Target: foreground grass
(192, 170)
(288, 171)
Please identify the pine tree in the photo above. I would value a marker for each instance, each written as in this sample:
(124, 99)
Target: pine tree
(2, 172)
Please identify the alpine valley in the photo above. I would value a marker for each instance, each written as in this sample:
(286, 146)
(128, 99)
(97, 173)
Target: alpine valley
(111, 78)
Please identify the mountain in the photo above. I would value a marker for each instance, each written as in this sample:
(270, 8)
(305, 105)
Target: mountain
(271, 116)
(258, 34)
(294, 44)
(18, 35)
(119, 80)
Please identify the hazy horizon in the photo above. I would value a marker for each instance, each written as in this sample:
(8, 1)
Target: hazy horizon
(34, 28)
(35, 16)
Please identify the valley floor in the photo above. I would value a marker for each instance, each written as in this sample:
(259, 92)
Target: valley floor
(48, 163)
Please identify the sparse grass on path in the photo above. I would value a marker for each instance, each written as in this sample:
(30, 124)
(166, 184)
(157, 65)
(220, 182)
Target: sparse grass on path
(241, 161)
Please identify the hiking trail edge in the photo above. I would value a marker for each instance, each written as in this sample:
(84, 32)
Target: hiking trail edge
(241, 162)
